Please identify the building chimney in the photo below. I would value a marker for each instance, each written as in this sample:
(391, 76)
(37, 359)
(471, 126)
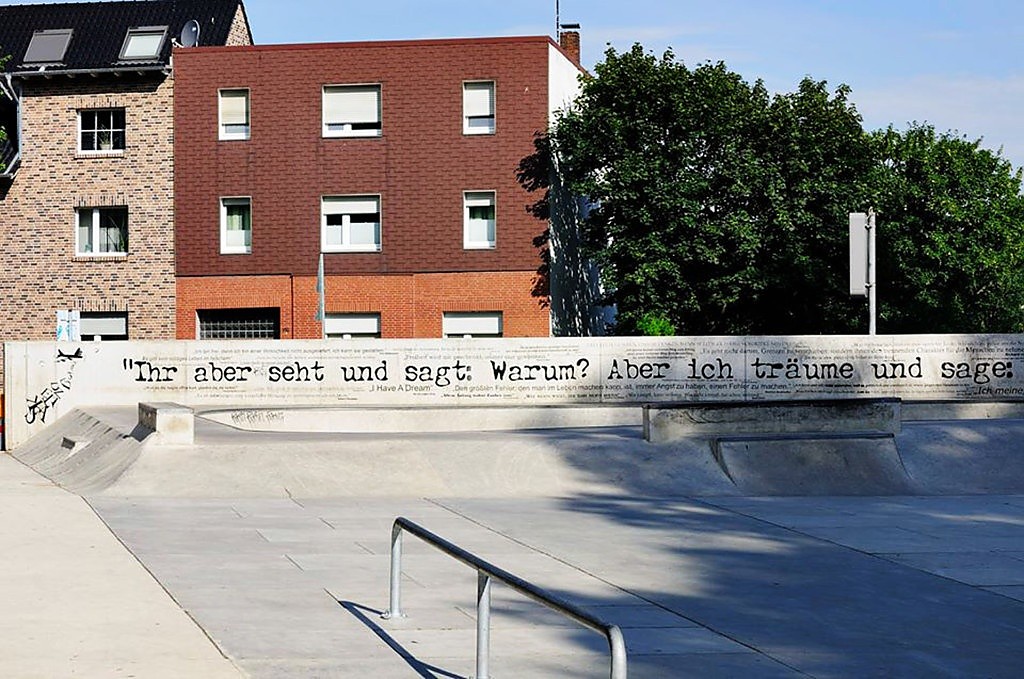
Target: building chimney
(569, 41)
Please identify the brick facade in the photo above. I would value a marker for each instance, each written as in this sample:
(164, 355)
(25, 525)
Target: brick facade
(41, 272)
(419, 166)
(410, 305)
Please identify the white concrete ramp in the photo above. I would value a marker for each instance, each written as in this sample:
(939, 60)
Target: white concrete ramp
(104, 452)
(819, 466)
(83, 452)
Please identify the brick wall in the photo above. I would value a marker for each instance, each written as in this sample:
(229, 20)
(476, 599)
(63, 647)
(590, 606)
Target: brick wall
(410, 305)
(41, 272)
(233, 292)
(420, 166)
(239, 33)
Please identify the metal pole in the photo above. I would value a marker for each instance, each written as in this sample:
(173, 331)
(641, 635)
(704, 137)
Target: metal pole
(483, 624)
(395, 603)
(321, 290)
(872, 288)
(617, 646)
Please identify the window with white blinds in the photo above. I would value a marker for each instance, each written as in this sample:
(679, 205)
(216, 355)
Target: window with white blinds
(235, 226)
(351, 111)
(350, 224)
(352, 326)
(478, 107)
(472, 324)
(234, 114)
(480, 225)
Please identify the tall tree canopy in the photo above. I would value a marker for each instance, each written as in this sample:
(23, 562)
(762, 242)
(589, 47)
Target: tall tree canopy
(951, 233)
(721, 209)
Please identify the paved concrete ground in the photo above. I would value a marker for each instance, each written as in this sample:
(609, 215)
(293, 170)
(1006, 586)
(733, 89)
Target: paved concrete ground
(75, 603)
(724, 587)
(712, 586)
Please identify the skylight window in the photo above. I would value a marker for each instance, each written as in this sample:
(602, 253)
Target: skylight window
(48, 47)
(143, 42)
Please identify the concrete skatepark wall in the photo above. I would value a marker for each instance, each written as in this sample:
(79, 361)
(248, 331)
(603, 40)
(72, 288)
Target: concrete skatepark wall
(46, 380)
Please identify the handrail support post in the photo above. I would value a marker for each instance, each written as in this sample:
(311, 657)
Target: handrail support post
(483, 625)
(395, 602)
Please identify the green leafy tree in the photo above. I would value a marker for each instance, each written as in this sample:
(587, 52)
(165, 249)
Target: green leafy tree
(655, 325)
(709, 195)
(950, 234)
(719, 209)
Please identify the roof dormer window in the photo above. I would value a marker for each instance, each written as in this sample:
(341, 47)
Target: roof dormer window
(48, 47)
(143, 43)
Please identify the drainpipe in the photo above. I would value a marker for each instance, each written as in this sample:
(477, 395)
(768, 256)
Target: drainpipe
(9, 89)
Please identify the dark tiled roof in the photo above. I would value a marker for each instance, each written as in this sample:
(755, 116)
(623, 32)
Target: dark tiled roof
(99, 29)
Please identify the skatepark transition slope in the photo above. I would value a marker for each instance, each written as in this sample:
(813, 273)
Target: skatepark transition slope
(106, 452)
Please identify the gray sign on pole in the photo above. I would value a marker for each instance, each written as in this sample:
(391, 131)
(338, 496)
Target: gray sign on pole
(858, 254)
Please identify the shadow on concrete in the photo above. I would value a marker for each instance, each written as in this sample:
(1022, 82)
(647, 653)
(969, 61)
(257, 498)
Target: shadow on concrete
(812, 605)
(362, 614)
(809, 605)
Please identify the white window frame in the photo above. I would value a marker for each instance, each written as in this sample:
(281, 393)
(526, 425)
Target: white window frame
(352, 326)
(232, 130)
(113, 150)
(474, 113)
(471, 199)
(472, 324)
(225, 247)
(345, 124)
(139, 32)
(354, 201)
(95, 228)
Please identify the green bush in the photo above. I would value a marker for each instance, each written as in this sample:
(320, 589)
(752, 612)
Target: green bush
(655, 325)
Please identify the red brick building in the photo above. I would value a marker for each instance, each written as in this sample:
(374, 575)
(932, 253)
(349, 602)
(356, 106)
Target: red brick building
(86, 176)
(395, 161)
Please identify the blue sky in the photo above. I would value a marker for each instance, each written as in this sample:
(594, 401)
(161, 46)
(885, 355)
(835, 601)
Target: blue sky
(958, 64)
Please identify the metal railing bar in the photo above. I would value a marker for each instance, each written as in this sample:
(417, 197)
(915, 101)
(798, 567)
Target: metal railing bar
(486, 571)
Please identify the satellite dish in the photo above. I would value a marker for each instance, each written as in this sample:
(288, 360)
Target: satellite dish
(189, 34)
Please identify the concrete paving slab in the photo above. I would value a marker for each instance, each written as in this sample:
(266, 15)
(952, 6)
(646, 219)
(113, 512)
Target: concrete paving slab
(803, 594)
(987, 569)
(76, 603)
(1012, 592)
(698, 589)
(292, 586)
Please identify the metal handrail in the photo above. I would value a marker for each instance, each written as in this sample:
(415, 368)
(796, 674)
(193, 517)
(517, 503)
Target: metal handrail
(485, 572)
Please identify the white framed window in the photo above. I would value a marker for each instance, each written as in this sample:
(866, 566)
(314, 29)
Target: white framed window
(472, 324)
(478, 107)
(235, 226)
(351, 111)
(233, 108)
(480, 225)
(352, 326)
(101, 130)
(350, 224)
(101, 231)
(143, 43)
